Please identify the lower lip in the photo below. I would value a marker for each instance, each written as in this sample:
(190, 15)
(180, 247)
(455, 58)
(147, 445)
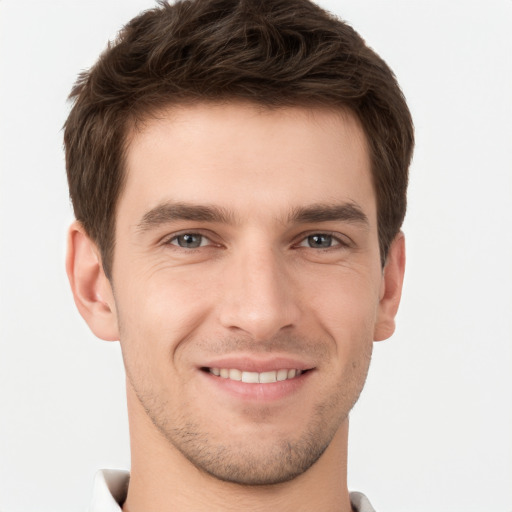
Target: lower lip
(258, 392)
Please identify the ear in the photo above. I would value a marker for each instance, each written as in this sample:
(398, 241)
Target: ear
(391, 289)
(91, 288)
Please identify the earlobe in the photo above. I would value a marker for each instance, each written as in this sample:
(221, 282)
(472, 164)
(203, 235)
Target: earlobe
(91, 288)
(391, 289)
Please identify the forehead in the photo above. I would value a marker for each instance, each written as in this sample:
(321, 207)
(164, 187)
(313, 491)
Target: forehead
(248, 158)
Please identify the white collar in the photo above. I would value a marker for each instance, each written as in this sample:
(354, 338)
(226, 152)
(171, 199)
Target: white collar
(360, 502)
(111, 486)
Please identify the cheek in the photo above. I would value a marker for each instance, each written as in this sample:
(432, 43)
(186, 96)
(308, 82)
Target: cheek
(345, 311)
(159, 308)
(344, 302)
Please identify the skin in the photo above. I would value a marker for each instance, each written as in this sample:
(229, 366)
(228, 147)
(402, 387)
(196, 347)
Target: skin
(286, 273)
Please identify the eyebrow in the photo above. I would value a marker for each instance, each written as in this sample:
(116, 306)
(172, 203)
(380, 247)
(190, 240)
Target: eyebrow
(346, 212)
(170, 211)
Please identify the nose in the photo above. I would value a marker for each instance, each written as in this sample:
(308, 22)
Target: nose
(258, 294)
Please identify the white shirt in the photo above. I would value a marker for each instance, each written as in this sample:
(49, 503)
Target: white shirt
(111, 486)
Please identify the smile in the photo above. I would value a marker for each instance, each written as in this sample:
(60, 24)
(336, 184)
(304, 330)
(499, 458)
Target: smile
(255, 377)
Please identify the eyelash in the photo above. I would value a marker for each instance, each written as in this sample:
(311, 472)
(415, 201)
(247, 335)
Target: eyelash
(340, 242)
(175, 237)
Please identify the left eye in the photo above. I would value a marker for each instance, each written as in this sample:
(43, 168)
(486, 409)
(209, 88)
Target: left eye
(189, 240)
(319, 241)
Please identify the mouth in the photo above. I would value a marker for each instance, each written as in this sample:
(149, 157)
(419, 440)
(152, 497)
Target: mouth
(268, 377)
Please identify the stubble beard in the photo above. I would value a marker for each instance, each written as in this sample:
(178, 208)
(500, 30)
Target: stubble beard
(255, 464)
(277, 461)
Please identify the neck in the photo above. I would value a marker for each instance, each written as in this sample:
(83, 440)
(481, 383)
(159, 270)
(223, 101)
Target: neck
(163, 479)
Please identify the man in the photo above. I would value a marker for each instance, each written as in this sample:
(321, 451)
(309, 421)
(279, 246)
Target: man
(238, 173)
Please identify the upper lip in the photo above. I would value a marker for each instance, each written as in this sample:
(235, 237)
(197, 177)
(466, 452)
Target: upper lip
(251, 363)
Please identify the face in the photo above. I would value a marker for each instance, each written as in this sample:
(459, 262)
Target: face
(247, 282)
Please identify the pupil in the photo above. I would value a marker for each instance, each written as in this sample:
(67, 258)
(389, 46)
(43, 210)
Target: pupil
(190, 241)
(320, 241)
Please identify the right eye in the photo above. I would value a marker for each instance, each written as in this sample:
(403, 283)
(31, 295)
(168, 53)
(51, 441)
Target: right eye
(189, 240)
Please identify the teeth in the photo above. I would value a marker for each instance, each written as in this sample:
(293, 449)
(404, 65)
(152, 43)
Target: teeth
(250, 377)
(282, 375)
(235, 374)
(267, 377)
(255, 377)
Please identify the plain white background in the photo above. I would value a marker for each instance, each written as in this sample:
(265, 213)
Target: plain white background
(433, 428)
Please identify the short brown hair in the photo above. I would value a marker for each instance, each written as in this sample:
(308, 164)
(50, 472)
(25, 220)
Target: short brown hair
(270, 52)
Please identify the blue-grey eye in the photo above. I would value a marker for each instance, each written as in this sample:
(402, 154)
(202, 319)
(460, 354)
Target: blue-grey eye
(320, 241)
(189, 240)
